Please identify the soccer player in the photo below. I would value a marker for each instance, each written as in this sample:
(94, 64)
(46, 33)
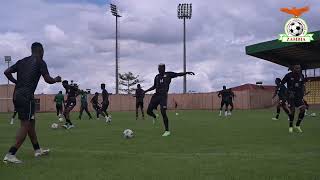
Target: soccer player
(225, 94)
(59, 99)
(296, 87)
(282, 93)
(139, 95)
(176, 107)
(230, 101)
(105, 101)
(84, 105)
(72, 92)
(28, 71)
(13, 116)
(95, 104)
(161, 85)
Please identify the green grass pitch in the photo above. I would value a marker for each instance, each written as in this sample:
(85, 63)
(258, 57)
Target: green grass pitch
(248, 145)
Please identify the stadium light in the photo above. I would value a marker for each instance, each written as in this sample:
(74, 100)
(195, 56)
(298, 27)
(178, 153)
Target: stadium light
(184, 12)
(7, 59)
(115, 13)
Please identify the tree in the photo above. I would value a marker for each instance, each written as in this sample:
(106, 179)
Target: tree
(128, 81)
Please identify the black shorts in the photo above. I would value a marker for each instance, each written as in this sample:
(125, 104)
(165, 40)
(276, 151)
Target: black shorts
(59, 107)
(105, 106)
(71, 104)
(139, 104)
(224, 102)
(25, 107)
(96, 107)
(158, 100)
(282, 101)
(296, 102)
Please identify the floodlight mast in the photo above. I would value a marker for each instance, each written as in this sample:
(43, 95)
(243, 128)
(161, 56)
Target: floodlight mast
(184, 12)
(115, 13)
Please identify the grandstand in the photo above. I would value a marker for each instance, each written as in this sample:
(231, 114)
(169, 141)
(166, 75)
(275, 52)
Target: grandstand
(285, 54)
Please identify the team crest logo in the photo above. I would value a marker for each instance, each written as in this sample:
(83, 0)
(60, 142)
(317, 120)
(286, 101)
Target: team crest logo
(296, 29)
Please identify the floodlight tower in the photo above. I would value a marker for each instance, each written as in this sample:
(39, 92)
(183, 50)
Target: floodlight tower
(184, 12)
(115, 13)
(7, 59)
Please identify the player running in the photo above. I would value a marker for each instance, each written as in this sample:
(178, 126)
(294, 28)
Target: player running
(59, 99)
(29, 70)
(84, 105)
(105, 101)
(161, 85)
(225, 94)
(139, 95)
(296, 87)
(72, 92)
(282, 93)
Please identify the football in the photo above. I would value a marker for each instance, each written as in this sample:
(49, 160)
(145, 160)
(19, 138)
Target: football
(54, 126)
(296, 28)
(128, 133)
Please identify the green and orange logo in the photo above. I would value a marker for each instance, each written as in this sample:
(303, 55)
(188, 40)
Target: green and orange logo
(296, 29)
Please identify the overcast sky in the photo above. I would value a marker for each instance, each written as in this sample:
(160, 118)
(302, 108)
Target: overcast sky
(78, 37)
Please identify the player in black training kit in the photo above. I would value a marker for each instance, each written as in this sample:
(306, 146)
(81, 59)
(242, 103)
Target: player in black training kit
(29, 70)
(161, 85)
(105, 102)
(72, 92)
(282, 93)
(296, 87)
(95, 104)
(225, 94)
(139, 95)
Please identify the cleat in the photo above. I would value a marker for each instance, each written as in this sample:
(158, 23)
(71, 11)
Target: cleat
(11, 159)
(65, 126)
(60, 119)
(165, 134)
(11, 122)
(225, 113)
(229, 114)
(290, 130)
(41, 152)
(71, 126)
(275, 119)
(98, 118)
(108, 119)
(220, 113)
(298, 129)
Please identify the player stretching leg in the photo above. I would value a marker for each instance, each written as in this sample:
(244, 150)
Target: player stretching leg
(161, 85)
(72, 93)
(96, 107)
(296, 87)
(28, 72)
